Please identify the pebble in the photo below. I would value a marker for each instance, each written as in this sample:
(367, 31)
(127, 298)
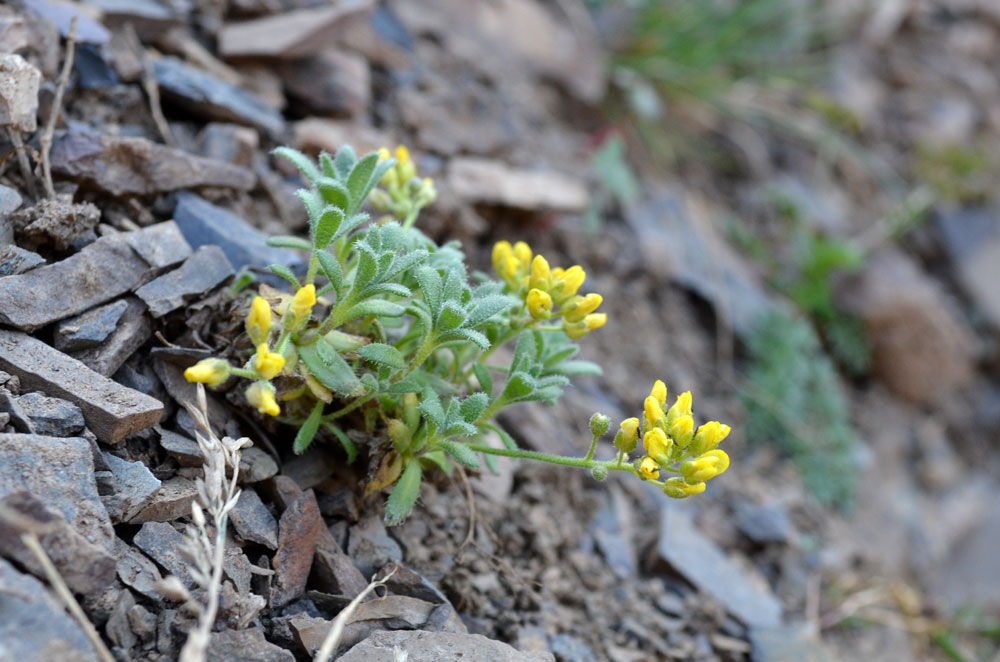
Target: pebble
(292, 34)
(230, 143)
(13, 32)
(93, 70)
(422, 646)
(405, 581)
(133, 329)
(53, 417)
(215, 98)
(15, 260)
(59, 223)
(246, 646)
(111, 410)
(150, 18)
(137, 166)
(164, 544)
(60, 472)
(252, 520)
(764, 524)
(34, 622)
(134, 486)
(136, 570)
(334, 83)
(89, 329)
(785, 643)
(393, 612)
(201, 272)
(85, 567)
(19, 81)
(971, 237)
(334, 571)
(371, 547)
(100, 272)
(202, 223)
(171, 501)
(570, 649)
(298, 529)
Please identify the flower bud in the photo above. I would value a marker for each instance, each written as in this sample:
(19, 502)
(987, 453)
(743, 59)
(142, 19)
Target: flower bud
(600, 472)
(208, 371)
(648, 468)
(676, 488)
(301, 306)
(267, 364)
(578, 308)
(539, 304)
(259, 320)
(657, 445)
(540, 273)
(659, 391)
(261, 396)
(627, 436)
(599, 424)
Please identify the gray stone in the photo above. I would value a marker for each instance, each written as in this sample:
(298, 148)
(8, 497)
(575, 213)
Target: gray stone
(15, 260)
(253, 521)
(52, 417)
(102, 271)
(34, 625)
(972, 239)
(683, 549)
(292, 34)
(203, 223)
(132, 331)
(423, 646)
(10, 199)
(333, 83)
(150, 18)
(13, 33)
(164, 544)
(255, 463)
(570, 649)
(136, 166)
(204, 270)
(89, 329)
(111, 410)
(88, 30)
(245, 645)
(231, 143)
(60, 471)
(15, 413)
(19, 82)
(333, 571)
(58, 222)
(371, 547)
(134, 485)
(612, 531)
(236, 566)
(392, 612)
(213, 98)
(85, 567)
(793, 642)
(171, 501)
(763, 524)
(481, 181)
(405, 581)
(136, 570)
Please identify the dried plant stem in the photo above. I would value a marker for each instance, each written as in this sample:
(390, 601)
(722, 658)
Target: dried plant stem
(45, 142)
(337, 630)
(22, 161)
(30, 541)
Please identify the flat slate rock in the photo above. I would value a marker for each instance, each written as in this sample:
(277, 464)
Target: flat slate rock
(164, 544)
(137, 166)
(15, 260)
(89, 329)
(60, 471)
(34, 625)
(88, 29)
(253, 521)
(246, 646)
(298, 530)
(102, 271)
(203, 223)
(112, 411)
(683, 549)
(423, 646)
(292, 34)
(214, 98)
(136, 570)
(171, 501)
(134, 486)
(52, 417)
(200, 273)
(789, 643)
(132, 331)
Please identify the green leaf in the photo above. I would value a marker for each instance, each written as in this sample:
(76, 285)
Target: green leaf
(352, 222)
(460, 452)
(430, 284)
(440, 459)
(574, 368)
(326, 163)
(491, 463)
(520, 385)
(358, 180)
(345, 342)
(473, 406)
(307, 432)
(334, 193)
(330, 266)
(286, 273)
(289, 242)
(367, 266)
(418, 381)
(451, 317)
(345, 441)
(526, 350)
(560, 355)
(430, 404)
(484, 377)
(344, 161)
(505, 437)
(313, 204)
(474, 337)
(300, 161)
(454, 283)
(404, 494)
(379, 307)
(389, 288)
(487, 307)
(383, 354)
(330, 368)
(326, 227)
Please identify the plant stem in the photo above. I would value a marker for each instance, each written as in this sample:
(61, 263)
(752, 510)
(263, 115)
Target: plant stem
(351, 407)
(428, 346)
(593, 447)
(313, 265)
(580, 462)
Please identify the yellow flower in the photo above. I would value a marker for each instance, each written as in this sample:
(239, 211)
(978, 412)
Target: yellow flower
(657, 445)
(501, 251)
(705, 467)
(208, 371)
(595, 321)
(648, 468)
(383, 154)
(539, 304)
(678, 489)
(659, 391)
(581, 328)
(652, 411)
(267, 364)
(261, 396)
(540, 273)
(682, 407)
(402, 154)
(709, 436)
(301, 306)
(682, 430)
(628, 435)
(577, 308)
(259, 320)
(405, 168)
(522, 252)
(566, 283)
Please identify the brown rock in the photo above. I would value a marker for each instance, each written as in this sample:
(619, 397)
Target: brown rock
(318, 134)
(492, 182)
(230, 143)
(55, 222)
(112, 411)
(298, 529)
(292, 34)
(134, 328)
(921, 346)
(392, 612)
(333, 570)
(136, 166)
(13, 31)
(332, 83)
(172, 501)
(245, 645)
(19, 82)
(423, 646)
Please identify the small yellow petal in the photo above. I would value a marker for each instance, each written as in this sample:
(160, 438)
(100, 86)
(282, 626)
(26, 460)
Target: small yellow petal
(539, 304)
(522, 252)
(648, 468)
(652, 411)
(259, 320)
(402, 154)
(677, 488)
(501, 251)
(657, 445)
(595, 320)
(208, 371)
(577, 308)
(261, 396)
(267, 364)
(659, 391)
(540, 273)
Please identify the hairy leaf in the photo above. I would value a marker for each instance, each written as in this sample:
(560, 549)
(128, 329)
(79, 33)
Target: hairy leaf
(404, 494)
(461, 452)
(307, 432)
(300, 161)
(383, 354)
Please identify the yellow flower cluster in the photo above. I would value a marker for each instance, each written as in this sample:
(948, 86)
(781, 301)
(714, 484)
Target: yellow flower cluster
(402, 184)
(543, 288)
(669, 437)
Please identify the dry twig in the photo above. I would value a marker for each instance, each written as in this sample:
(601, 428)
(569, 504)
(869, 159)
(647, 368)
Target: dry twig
(22, 161)
(337, 629)
(45, 142)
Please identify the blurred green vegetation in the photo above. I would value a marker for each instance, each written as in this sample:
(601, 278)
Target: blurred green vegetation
(956, 173)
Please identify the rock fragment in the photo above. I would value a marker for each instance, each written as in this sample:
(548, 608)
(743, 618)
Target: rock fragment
(136, 166)
(334, 572)
(136, 570)
(89, 329)
(392, 612)
(202, 223)
(164, 544)
(133, 329)
(171, 501)
(13, 31)
(683, 549)
(298, 529)
(483, 181)
(102, 271)
(19, 82)
(111, 410)
(15, 260)
(423, 646)
(794, 641)
(200, 273)
(134, 485)
(245, 645)
(292, 34)
(60, 472)
(972, 240)
(35, 626)
(253, 521)
(88, 29)
(52, 417)
(230, 143)
(150, 18)
(332, 83)
(55, 222)
(216, 99)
